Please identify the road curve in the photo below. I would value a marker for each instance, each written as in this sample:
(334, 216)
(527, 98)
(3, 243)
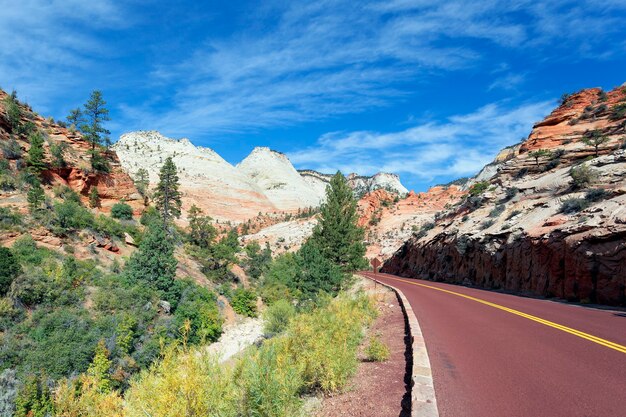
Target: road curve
(501, 355)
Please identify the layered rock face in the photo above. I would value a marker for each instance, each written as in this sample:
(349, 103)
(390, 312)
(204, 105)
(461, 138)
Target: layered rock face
(390, 220)
(532, 229)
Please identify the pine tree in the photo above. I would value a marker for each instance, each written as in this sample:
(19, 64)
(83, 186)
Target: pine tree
(90, 121)
(100, 368)
(36, 162)
(337, 235)
(35, 196)
(154, 262)
(94, 197)
(167, 198)
(142, 181)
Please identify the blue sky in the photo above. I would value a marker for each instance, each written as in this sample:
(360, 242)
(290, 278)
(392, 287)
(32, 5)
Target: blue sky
(430, 90)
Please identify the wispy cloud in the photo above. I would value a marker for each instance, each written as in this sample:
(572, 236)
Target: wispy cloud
(48, 46)
(327, 58)
(458, 146)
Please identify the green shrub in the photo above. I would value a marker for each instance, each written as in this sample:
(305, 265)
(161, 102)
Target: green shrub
(596, 194)
(497, 211)
(27, 252)
(573, 205)
(11, 149)
(486, 224)
(478, 188)
(582, 176)
(71, 216)
(244, 302)
(618, 111)
(9, 269)
(108, 226)
(199, 306)
(34, 399)
(376, 350)
(122, 211)
(277, 317)
(9, 218)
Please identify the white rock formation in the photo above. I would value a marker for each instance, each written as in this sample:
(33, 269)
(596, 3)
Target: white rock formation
(206, 179)
(282, 184)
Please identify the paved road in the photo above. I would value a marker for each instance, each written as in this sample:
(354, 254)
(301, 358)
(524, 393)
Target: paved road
(501, 355)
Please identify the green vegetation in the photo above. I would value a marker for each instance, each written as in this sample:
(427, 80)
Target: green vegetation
(142, 181)
(316, 353)
(337, 236)
(618, 112)
(376, 350)
(90, 121)
(94, 197)
(573, 205)
(596, 194)
(122, 211)
(478, 188)
(277, 317)
(595, 139)
(538, 154)
(244, 302)
(582, 176)
(167, 198)
(36, 162)
(9, 269)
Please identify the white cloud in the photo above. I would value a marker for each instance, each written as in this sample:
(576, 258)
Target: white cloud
(458, 146)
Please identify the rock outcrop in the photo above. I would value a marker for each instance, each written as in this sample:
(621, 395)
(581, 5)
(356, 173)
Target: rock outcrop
(281, 183)
(527, 226)
(359, 183)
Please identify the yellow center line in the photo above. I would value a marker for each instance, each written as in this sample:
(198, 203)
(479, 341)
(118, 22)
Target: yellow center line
(592, 338)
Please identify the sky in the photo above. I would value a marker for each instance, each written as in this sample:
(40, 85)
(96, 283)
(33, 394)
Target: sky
(430, 90)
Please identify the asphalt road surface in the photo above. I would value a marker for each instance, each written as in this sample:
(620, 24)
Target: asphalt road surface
(502, 355)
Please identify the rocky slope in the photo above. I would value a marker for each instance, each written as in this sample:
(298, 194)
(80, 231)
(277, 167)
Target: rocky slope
(281, 183)
(532, 225)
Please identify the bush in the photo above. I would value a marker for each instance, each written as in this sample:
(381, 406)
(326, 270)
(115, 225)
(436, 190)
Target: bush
(9, 218)
(122, 211)
(199, 306)
(497, 211)
(377, 351)
(11, 149)
(277, 317)
(486, 224)
(478, 188)
(108, 226)
(618, 112)
(71, 216)
(596, 194)
(9, 269)
(582, 176)
(573, 205)
(8, 392)
(244, 302)
(27, 252)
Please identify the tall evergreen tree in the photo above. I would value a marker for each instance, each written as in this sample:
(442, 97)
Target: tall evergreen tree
(154, 261)
(90, 121)
(36, 162)
(142, 181)
(337, 235)
(167, 197)
(35, 196)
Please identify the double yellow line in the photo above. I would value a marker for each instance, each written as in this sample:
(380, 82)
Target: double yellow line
(592, 338)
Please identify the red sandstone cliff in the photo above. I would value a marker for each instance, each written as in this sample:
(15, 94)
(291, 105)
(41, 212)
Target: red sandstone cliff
(518, 233)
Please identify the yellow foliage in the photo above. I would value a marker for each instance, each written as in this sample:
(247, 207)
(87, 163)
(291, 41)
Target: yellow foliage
(184, 383)
(82, 398)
